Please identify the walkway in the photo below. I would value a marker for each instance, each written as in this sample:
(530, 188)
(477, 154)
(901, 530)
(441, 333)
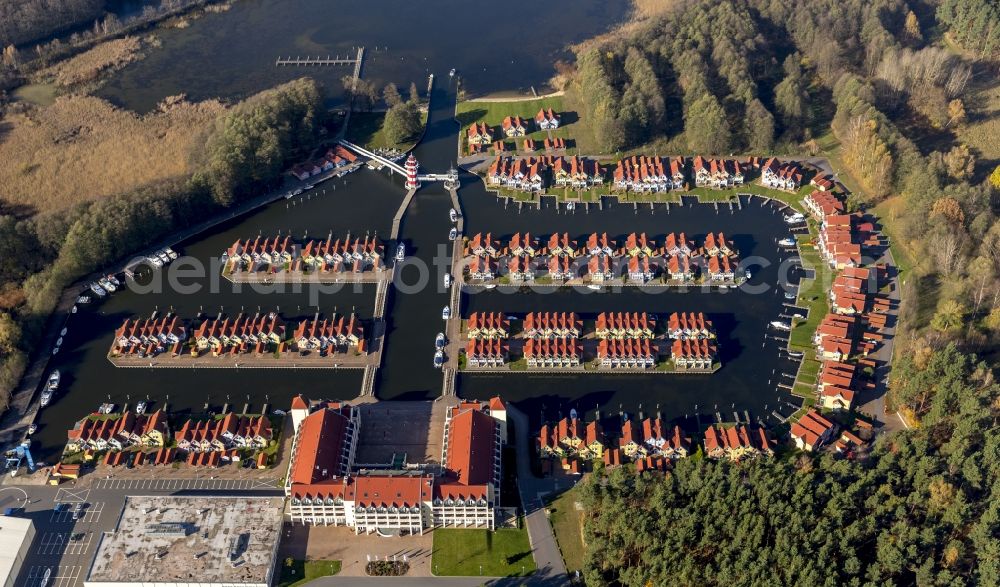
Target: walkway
(392, 165)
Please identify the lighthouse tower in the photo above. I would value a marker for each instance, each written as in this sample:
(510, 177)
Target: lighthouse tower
(411, 173)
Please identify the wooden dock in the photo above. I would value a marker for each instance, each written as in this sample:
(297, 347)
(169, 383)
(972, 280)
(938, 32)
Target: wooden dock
(319, 60)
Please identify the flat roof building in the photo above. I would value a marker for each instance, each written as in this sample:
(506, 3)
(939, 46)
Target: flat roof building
(16, 535)
(190, 541)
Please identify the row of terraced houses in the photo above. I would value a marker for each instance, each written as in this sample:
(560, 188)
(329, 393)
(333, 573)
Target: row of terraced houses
(601, 259)
(333, 255)
(641, 173)
(649, 442)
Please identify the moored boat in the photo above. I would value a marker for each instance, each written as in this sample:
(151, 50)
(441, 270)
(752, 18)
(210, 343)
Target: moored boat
(779, 325)
(787, 242)
(447, 280)
(452, 234)
(438, 359)
(446, 313)
(453, 215)
(439, 341)
(97, 289)
(400, 252)
(140, 408)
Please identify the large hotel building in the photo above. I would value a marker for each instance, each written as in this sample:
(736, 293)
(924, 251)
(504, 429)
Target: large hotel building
(325, 487)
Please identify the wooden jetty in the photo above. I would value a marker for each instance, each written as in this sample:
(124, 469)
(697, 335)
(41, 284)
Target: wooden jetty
(319, 60)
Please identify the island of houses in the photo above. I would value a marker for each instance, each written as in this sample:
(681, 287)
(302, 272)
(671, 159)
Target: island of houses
(130, 439)
(330, 260)
(600, 260)
(614, 341)
(339, 341)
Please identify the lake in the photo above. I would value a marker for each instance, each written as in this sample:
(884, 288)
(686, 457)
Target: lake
(232, 54)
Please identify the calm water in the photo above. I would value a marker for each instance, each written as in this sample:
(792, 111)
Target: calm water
(508, 48)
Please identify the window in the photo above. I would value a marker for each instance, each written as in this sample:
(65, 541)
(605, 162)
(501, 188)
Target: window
(306, 501)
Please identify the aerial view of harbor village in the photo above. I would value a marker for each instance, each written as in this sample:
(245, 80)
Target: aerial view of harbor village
(351, 302)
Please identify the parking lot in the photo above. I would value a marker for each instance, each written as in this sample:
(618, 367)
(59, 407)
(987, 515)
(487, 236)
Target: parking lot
(173, 484)
(60, 576)
(58, 543)
(91, 513)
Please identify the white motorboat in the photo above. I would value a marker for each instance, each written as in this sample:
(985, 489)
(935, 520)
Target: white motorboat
(400, 252)
(63, 331)
(32, 428)
(288, 196)
(45, 577)
(163, 257)
(439, 340)
(97, 289)
(446, 313)
(790, 296)
(452, 234)
(114, 280)
(297, 192)
(795, 354)
(453, 215)
(779, 325)
(83, 300)
(438, 359)
(73, 311)
(308, 187)
(447, 280)
(572, 414)
(798, 316)
(140, 408)
(45, 398)
(59, 341)
(106, 408)
(107, 285)
(452, 72)
(155, 261)
(490, 286)
(53, 382)
(594, 287)
(787, 242)
(748, 275)
(170, 253)
(794, 218)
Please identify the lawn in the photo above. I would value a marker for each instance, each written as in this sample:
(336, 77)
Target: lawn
(567, 524)
(302, 571)
(503, 553)
(493, 113)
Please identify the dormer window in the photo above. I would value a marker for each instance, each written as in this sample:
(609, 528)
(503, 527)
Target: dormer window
(296, 501)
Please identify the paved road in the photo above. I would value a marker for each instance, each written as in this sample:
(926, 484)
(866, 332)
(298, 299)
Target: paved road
(873, 404)
(548, 559)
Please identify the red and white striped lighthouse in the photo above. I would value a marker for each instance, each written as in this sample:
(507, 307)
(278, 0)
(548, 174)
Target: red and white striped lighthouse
(411, 173)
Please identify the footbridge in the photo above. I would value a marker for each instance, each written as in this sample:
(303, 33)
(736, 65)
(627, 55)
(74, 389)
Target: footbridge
(450, 179)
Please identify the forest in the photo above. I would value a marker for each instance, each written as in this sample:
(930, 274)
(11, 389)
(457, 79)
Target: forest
(244, 153)
(922, 509)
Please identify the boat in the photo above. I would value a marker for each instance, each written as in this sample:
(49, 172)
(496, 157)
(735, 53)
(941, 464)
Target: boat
(452, 234)
(163, 257)
(787, 242)
(45, 577)
(73, 311)
(438, 359)
(571, 205)
(52, 383)
(572, 414)
(798, 316)
(83, 300)
(55, 351)
(170, 253)
(490, 286)
(795, 354)
(447, 280)
(790, 296)
(278, 412)
(106, 408)
(308, 187)
(794, 218)
(453, 215)
(107, 285)
(400, 252)
(45, 398)
(594, 287)
(747, 274)
(32, 428)
(97, 289)
(154, 261)
(63, 331)
(439, 340)
(59, 341)
(446, 313)
(288, 196)
(297, 192)
(113, 279)
(779, 325)
(140, 408)
(452, 72)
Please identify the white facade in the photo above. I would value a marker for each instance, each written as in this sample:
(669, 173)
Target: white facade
(16, 535)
